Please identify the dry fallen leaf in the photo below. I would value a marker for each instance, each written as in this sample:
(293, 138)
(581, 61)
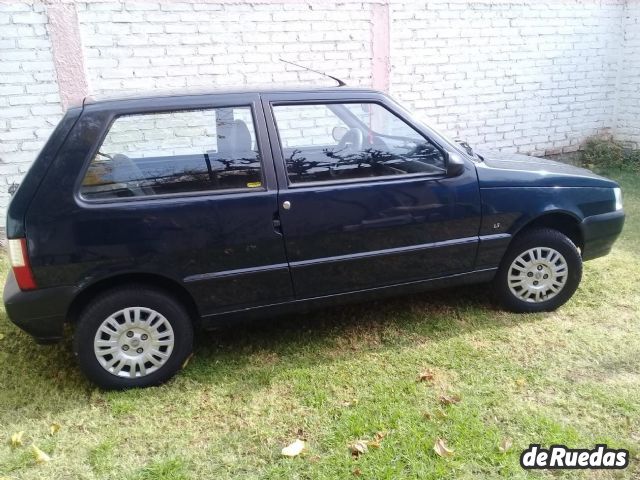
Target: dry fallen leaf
(16, 439)
(377, 438)
(441, 448)
(294, 449)
(54, 428)
(449, 399)
(357, 472)
(426, 376)
(358, 448)
(505, 444)
(41, 457)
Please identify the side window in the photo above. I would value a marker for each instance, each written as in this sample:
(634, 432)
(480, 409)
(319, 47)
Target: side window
(175, 152)
(331, 142)
(307, 125)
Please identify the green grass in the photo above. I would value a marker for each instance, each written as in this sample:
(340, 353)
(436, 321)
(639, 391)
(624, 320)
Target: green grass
(340, 375)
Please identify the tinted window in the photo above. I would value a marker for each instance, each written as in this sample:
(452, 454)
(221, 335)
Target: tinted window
(331, 142)
(175, 152)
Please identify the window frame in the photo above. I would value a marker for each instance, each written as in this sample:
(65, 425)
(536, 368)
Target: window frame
(352, 100)
(177, 104)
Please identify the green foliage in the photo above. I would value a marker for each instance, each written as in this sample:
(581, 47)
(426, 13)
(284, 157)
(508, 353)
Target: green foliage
(633, 159)
(603, 154)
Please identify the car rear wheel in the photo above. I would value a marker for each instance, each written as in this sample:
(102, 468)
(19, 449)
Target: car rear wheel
(133, 336)
(540, 272)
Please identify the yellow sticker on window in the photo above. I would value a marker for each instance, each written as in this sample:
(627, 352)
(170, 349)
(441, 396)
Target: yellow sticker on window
(254, 184)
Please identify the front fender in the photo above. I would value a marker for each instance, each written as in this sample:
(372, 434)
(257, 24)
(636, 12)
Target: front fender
(508, 210)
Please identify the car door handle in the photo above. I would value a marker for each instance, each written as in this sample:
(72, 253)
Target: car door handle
(286, 205)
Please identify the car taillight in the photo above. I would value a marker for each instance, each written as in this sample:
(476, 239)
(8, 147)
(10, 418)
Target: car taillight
(20, 263)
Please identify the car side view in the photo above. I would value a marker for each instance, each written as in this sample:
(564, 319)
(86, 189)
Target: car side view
(144, 218)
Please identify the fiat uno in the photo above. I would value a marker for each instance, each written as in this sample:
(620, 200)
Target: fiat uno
(144, 218)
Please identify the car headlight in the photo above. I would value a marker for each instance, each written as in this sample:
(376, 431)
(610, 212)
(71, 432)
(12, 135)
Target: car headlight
(617, 193)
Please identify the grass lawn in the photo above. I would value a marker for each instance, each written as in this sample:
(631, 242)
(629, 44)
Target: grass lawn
(341, 375)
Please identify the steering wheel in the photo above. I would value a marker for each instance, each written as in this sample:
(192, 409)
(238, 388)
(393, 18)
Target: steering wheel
(351, 142)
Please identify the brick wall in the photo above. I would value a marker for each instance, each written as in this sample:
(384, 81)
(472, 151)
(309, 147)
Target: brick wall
(29, 99)
(628, 105)
(532, 77)
(167, 45)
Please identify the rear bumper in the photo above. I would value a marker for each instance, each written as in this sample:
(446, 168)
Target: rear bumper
(40, 313)
(600, 232)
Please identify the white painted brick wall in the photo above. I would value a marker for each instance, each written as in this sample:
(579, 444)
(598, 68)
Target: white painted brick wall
(628, 114)
(531, 77)
(165, 45)
(29, 100)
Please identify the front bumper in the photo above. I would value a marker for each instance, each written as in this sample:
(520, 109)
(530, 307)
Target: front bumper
(599, 232)
(40, 313)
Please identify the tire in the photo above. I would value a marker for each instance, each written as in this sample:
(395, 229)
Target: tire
(514, 282)
(133, 336)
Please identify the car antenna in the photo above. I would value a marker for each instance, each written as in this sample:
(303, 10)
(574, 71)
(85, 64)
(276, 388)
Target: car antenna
(340, 82)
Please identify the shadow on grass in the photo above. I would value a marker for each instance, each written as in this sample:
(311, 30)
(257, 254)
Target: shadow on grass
(342, 333)
(38, 381)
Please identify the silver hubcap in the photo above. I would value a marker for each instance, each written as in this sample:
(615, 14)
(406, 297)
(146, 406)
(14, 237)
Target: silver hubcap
(538, 274)
(134, 342)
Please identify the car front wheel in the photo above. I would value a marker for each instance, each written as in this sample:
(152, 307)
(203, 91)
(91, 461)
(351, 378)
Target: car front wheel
(133, 336)
(540, 272)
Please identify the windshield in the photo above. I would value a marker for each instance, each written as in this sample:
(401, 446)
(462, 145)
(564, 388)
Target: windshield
(455, 144)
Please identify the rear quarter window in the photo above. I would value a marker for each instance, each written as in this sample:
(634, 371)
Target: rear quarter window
(175, 152)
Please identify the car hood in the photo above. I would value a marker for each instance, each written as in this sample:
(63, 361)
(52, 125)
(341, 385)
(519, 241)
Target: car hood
(515, 170)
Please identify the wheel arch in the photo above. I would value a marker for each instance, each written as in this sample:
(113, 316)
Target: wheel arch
(168, 285)
(565, 222)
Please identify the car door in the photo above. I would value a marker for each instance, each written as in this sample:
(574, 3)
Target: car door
(172, 187)
(364, 200)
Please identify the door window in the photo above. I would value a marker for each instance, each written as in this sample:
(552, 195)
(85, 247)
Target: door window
(175, 152)
(332, 142)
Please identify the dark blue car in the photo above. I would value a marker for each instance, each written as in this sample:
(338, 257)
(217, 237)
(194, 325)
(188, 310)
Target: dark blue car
(145, 217)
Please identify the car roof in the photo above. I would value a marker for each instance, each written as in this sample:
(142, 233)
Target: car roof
(157, 94)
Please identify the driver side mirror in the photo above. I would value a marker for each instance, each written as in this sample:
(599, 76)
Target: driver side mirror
(455, 165)
(338, 132)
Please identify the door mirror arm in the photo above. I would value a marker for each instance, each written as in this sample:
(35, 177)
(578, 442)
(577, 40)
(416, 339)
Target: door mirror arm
(455, 165)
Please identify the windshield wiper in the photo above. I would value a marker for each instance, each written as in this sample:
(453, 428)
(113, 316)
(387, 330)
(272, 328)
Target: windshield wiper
(469, 150)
